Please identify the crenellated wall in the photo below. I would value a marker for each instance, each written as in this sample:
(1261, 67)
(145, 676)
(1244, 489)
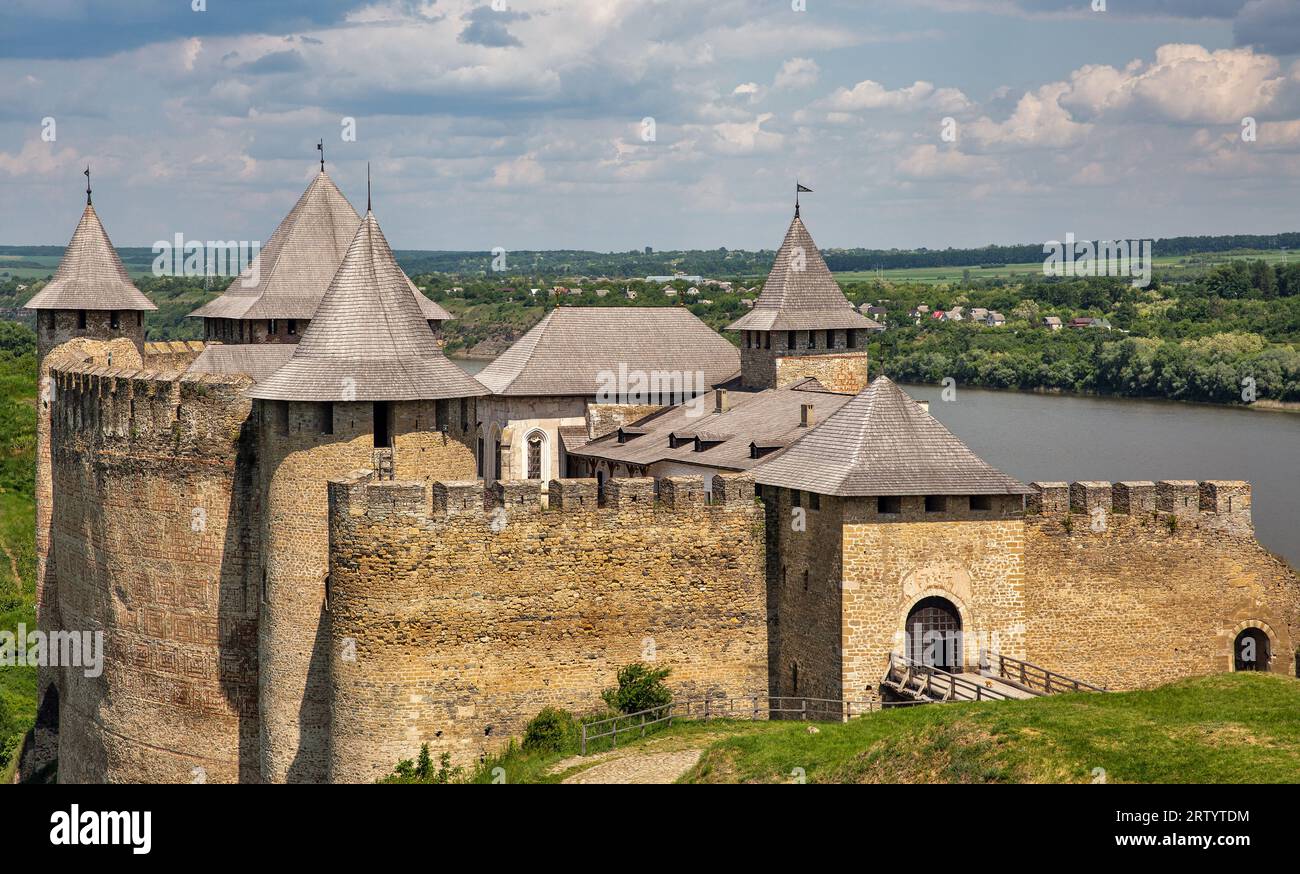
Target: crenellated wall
(1137, 583)
(155, 539)
(456, 616)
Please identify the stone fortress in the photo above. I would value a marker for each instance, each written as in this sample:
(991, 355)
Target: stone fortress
(313, 543)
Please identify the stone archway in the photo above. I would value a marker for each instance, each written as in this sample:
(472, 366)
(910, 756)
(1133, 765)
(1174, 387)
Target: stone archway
(1254, 647)
(1251, 650)
(933, 634)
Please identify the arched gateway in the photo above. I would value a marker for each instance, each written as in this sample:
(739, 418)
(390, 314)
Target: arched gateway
(1251, 651)
(933, 631)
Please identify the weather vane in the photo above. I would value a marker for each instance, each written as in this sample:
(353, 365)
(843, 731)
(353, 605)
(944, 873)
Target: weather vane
(87, 172)
(320, 147)
(797, 189)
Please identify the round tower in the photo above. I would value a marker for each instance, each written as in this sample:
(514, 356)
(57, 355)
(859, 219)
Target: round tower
(366, 388)
(92, 311)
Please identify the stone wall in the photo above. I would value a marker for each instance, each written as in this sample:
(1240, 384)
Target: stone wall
(155, 542)
(172, 354)
(301, 452)
(1139, 583)
(454, 620)
(975, 559)
(841, 372)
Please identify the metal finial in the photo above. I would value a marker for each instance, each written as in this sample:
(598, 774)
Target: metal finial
(367, 186)
(320, 147)
(87, 172)
(798, 187)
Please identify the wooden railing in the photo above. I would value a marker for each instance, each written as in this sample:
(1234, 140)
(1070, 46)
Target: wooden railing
(1031, 676)
(753, 707)
(935, 684)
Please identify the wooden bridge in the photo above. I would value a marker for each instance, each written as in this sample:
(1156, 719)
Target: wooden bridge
(999, 678)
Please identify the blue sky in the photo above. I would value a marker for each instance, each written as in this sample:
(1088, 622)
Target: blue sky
(519, 123)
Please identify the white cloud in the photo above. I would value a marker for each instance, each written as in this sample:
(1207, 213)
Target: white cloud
(1039, 121)
(796, 73)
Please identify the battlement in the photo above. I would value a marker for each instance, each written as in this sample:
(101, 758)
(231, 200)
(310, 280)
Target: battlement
(1191, 500)
(101, 403)
(361, 494)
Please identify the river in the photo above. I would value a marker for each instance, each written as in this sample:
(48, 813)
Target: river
(1070, 438)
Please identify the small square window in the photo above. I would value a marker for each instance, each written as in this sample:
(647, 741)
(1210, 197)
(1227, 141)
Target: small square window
(889, 504)
(814, 501)
(796, 498)
(935, 503)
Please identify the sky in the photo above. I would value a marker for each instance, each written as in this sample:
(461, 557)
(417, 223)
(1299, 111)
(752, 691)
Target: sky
(617, 124)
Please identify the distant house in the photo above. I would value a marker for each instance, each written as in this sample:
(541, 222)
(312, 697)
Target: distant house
(1052, 322)
(1089, 322)
(978, 314)
(956, 314)
(938, 315)
(872, 311)
(692, 290)
(631, 295)
(601, 292)
(748, 301)
(705, 300)
(995, 320)
(669, 291)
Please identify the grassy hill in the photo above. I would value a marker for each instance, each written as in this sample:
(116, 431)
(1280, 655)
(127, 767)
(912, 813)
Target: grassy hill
(1228, 728)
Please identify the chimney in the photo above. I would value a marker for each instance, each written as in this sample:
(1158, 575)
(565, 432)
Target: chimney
(925, 405)
(806, 419)
(721, 404)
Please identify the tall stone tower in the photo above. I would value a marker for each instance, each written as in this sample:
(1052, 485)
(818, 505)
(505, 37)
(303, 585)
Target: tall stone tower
(802, 325)
(92, 309)
(367, 387)
(274, 299)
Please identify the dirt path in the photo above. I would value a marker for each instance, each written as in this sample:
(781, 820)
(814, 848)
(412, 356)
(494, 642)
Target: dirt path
(639, 768)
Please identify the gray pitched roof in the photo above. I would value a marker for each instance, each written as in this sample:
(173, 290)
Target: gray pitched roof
(258, 360)
(800, 294)
(368, 341)
(769, 418)
(565, 353)
(91, 275)
(882, 443)
(296, 265)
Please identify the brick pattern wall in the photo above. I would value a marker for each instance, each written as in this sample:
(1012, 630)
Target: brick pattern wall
(1136, 584)
(298, 460)
(453, 622)
(973, 558)
(155, 544)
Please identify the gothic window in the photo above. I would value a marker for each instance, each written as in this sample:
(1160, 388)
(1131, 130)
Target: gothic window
(535, 456)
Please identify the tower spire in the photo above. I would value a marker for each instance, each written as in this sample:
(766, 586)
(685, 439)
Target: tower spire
(367, 186)
(320, 147)
(87, 172)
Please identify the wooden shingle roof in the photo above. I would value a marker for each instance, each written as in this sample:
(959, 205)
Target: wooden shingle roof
(91, 275)
(800, 293)
(882, 443)
(292, 271)
(569, 349)
(368, 340)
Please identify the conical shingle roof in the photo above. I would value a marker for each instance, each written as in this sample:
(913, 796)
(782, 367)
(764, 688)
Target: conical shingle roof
(882, 443)
(91, 275)
(292, 271)
(800, 293)
(368, 340)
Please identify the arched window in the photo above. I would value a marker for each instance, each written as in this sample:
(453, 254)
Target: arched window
(533, 446)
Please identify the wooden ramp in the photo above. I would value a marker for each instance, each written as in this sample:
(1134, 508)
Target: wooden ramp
(999, 678)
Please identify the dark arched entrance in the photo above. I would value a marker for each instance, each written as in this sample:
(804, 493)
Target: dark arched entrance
(934, 634)
(1251, 651)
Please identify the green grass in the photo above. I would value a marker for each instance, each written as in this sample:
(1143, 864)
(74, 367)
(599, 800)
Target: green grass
(1229, 728)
